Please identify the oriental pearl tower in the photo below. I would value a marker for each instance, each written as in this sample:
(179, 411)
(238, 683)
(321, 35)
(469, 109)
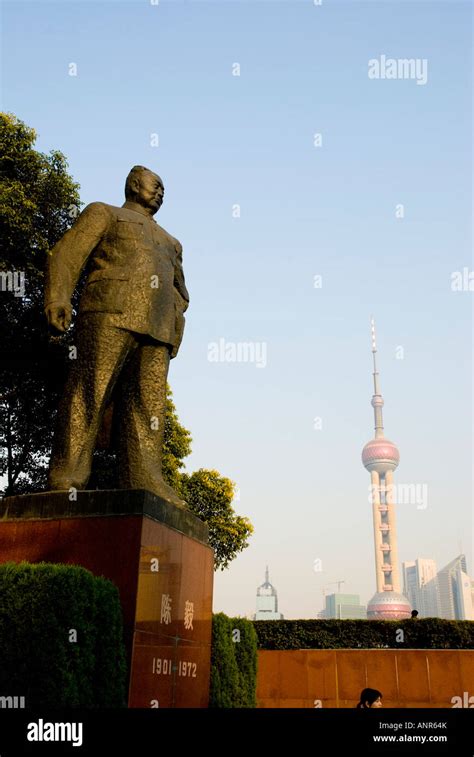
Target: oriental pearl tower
(381, 457)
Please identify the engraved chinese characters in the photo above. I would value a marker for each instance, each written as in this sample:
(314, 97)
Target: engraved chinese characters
(173, 623)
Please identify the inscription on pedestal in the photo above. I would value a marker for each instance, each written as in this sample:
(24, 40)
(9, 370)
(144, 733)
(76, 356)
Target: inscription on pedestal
(171, 647)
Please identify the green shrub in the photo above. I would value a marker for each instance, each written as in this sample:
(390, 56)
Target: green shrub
(41, 605)
(233, 662)
(424, 633)
(246, 658)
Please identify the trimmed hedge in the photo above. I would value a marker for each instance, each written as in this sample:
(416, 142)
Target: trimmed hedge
(246, 658)
(423, 633)
(39, 605)
(233, 662)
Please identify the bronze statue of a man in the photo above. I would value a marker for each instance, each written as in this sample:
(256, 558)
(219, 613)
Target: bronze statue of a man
(130, 323)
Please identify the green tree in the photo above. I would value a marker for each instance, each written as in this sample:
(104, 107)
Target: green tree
(38, 203)
(210, 495)
(177, 445)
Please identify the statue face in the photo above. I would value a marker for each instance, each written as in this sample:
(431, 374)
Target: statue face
(149, 190)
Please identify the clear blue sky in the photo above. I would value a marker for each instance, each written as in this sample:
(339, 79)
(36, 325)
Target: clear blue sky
(248, 140)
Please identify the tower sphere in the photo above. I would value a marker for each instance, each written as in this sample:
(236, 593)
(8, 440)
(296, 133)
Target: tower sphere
(380, 455)
(388, 605)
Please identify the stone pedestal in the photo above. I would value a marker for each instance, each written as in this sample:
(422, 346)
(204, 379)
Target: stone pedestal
(159, 558)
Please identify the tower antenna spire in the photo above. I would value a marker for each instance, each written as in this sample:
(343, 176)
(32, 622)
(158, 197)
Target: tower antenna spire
(377, 399)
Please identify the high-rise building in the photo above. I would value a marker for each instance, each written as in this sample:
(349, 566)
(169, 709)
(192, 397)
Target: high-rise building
(267, 601)
(448, 594)
(418, 587)
(430, 606)
(455, 591)
(381, 457)
(344, 607)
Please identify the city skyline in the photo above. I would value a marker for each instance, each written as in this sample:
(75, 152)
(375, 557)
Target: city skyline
(318, 246)
(423, 585)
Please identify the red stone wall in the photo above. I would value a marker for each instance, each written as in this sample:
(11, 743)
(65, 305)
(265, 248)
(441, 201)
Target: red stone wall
(335, 677)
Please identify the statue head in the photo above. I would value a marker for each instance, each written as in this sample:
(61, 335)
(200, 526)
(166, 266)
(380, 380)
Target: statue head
(144, 187)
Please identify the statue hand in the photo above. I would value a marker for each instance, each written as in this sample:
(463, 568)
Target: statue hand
(59, 315)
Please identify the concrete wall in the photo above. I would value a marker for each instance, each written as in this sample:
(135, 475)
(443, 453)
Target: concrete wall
(406, 678)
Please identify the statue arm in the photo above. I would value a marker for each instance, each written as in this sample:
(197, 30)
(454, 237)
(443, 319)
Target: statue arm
(181, 297)
(68, 257)
(179, 283)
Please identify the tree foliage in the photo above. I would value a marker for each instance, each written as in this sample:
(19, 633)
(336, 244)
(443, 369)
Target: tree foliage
(210, 495)
(38, 202)
(177, 445)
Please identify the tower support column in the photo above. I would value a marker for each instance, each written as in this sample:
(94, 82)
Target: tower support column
(389, 496)
(375, 483)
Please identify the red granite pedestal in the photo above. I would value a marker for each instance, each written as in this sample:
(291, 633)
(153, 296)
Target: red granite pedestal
(159, 558)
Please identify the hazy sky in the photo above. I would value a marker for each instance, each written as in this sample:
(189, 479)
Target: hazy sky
(305, 211)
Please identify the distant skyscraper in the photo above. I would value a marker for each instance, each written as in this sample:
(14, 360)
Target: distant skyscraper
(381, 458)
(267, 601)
(448, 594)
(418, 587)
(455, 591)
(344, 607)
